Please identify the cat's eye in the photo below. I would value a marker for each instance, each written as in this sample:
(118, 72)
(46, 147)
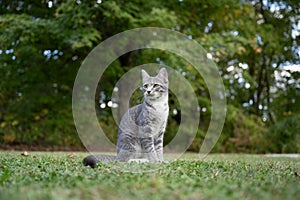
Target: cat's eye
(155, 85)
(145, 86)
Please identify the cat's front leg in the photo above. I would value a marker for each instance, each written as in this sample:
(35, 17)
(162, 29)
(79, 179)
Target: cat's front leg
(147, 144)
(159, 152)
(158, 145)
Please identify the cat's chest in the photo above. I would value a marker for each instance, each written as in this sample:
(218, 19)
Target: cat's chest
(159, 110)
(155, 118)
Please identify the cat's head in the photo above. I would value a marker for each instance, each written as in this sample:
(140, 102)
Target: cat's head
(155, 88)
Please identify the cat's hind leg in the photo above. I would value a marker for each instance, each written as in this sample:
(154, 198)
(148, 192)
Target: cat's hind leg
(147, 144)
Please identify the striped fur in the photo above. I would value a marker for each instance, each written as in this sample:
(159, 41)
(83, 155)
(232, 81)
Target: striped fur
(142, 127)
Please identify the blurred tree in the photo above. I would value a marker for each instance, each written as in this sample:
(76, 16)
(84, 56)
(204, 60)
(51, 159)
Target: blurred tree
(39, 58)
(43, 42)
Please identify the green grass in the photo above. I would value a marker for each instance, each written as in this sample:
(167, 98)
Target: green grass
(56, 176)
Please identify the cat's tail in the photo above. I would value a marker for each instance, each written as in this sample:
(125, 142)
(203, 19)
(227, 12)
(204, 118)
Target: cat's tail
(92, 160)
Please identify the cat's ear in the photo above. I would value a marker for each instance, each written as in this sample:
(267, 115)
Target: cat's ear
(145, 75)
(163, 75)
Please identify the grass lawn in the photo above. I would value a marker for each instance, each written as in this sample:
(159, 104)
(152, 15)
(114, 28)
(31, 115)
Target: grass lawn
(62, 176)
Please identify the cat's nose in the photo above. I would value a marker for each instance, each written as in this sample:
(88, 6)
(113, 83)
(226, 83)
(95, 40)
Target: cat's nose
(148, 92)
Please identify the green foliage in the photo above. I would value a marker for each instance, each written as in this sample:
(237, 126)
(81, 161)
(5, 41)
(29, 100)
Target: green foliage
(109, 127)
(284, 136)
(243, 133)
(57, 176)
(42, 47)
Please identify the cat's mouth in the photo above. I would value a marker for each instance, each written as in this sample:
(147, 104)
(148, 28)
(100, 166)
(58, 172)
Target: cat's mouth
(150, 95)
(153, 96)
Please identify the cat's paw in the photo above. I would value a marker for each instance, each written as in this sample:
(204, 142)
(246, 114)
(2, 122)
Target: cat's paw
(143, 160)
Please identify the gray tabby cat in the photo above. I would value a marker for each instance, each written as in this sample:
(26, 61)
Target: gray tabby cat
(142, 127)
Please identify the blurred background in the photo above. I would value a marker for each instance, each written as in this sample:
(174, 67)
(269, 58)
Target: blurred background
(255, 45)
